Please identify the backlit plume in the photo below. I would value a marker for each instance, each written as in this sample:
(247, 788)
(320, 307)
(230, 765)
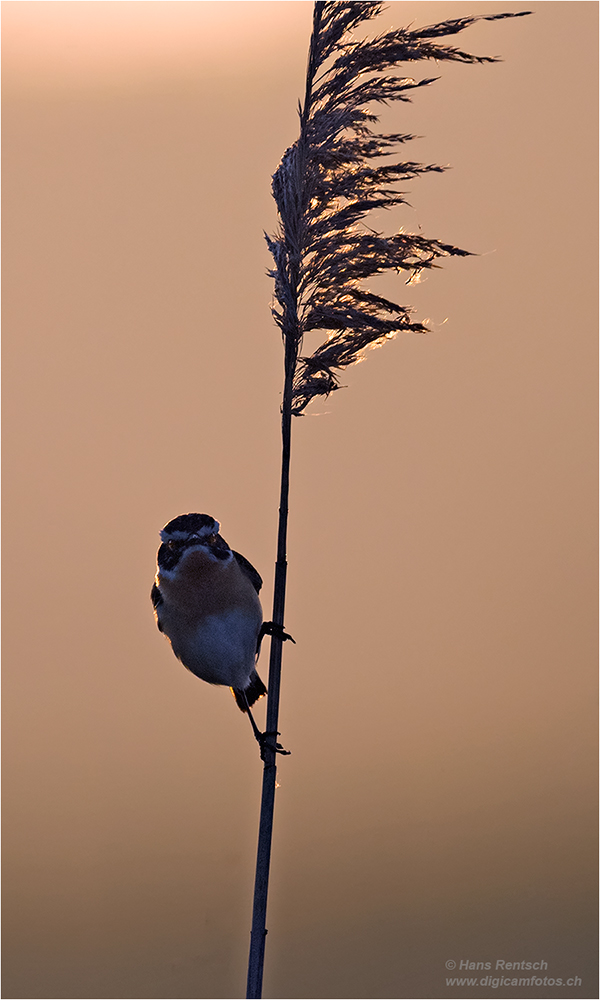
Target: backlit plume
(327, 183)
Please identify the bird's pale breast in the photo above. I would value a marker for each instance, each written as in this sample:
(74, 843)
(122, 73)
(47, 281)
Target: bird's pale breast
(212, 615)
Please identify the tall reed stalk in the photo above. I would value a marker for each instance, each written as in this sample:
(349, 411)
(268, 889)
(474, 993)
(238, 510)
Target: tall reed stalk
(324, 187)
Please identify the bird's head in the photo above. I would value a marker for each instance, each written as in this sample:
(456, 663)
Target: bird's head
(191, 532)
(188, 526)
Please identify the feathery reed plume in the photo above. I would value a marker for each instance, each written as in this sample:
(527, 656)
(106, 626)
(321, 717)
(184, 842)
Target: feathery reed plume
(324, 187)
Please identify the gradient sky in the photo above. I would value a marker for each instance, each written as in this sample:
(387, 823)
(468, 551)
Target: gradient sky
(440, 704)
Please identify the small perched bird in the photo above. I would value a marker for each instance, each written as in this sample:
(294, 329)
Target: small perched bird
(206, 602)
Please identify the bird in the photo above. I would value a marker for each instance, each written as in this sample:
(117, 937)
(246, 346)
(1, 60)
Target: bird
(205, 599)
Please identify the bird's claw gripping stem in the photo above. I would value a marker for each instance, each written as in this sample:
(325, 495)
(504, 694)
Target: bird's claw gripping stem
(263, 739)
(274, 747)
(271, 628)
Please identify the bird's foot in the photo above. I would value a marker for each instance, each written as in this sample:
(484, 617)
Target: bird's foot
(264, 739)
(268, 741)
(271, 628)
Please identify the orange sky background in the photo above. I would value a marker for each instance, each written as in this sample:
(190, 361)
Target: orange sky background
(440, 703)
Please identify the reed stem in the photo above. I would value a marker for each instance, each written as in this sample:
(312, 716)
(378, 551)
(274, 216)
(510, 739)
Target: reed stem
(265, 830)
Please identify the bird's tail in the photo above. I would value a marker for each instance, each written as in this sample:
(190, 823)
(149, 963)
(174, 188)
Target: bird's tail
(245, 697)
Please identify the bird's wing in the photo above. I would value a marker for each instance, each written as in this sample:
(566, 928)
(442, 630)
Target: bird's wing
(248, 570)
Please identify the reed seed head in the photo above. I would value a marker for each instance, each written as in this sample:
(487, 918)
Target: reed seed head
(327, 184)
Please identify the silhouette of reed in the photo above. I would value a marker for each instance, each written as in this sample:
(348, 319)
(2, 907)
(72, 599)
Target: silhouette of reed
(324, 187)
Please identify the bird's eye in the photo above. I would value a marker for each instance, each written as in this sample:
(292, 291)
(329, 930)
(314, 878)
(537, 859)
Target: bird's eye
(212, 539)
(171, 545)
